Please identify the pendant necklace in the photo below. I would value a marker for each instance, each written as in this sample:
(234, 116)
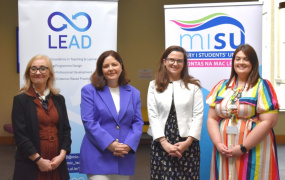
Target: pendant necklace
(234, 98)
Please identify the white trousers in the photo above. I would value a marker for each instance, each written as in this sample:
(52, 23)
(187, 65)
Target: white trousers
(108, 177)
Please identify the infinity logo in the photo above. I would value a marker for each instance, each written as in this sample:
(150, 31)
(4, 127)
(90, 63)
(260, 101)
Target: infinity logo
(64, 26)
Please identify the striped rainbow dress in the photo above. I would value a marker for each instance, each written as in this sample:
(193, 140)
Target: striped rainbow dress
(260, 163)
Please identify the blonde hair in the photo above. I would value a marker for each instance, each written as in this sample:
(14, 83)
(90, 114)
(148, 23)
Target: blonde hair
(50, 81)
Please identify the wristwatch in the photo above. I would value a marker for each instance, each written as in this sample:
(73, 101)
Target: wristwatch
(243, 148)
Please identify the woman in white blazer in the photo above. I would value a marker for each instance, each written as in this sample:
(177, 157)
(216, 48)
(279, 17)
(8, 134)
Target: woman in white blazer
(175, 112)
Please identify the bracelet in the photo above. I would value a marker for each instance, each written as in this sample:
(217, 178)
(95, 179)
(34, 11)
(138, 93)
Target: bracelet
(37, 159)
(162, 140)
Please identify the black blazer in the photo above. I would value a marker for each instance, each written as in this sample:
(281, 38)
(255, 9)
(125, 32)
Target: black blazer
(26, 133)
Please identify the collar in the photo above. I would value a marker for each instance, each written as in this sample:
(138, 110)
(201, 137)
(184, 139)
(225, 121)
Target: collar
(45, 94)
(32, 92)
(233, 82)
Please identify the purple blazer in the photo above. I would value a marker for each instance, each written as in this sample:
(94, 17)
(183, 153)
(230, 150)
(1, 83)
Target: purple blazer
(103, 125)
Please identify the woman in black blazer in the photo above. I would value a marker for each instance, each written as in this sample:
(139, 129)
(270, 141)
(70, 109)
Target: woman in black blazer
(41, 126)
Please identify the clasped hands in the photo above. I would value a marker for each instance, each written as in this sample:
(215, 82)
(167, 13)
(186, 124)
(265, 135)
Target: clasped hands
(46, 165)
(232, 152)
(119, 149)
(175, 150)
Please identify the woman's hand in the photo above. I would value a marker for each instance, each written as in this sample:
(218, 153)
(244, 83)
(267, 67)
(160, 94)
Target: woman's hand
(183, 145)
(118, 149)
(112, 146)
(214, 132)
(44, 165)
(121, 150)
(171, 149)
(235, 151)
(223, 150)
(56, 161)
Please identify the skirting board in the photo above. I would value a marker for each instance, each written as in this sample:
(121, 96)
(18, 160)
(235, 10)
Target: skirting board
(6, 140)
(280, 139)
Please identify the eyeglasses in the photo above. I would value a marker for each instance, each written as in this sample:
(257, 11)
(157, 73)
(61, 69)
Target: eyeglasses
(42, 69)
(172, 61)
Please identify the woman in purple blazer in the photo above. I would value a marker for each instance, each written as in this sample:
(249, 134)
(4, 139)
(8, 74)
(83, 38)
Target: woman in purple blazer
(111, 115)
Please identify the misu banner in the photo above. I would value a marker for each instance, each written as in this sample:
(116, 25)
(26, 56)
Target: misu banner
(210, 33)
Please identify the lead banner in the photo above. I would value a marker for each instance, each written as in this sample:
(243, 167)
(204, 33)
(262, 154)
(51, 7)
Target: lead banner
(210, 33)
(73, 34)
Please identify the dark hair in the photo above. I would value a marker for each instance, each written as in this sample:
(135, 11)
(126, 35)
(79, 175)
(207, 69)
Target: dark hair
(253, 76)
(162, 78)
(97, 78)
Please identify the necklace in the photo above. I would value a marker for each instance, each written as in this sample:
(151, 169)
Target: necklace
(234, 98)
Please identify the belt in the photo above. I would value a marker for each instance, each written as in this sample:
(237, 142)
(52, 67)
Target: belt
(50, 135)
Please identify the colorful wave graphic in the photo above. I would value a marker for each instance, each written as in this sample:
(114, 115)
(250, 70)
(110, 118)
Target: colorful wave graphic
(209, 21)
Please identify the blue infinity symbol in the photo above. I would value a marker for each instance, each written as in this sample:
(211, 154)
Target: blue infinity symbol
(64, 26)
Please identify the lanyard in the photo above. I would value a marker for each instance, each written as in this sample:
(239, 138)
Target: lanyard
(234, 98)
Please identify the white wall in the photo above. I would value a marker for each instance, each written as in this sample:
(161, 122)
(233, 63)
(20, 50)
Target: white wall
(273, 53)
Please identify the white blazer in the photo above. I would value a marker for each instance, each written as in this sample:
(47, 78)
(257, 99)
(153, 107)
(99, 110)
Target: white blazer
(188, 104)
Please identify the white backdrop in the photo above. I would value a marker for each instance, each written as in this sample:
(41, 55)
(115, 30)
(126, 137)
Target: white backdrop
(73, 34)
(210, 33)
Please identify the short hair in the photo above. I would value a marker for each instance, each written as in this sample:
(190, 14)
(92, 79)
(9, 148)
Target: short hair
(162, 78)
(97, 78)
(252, 56)
(50, 81)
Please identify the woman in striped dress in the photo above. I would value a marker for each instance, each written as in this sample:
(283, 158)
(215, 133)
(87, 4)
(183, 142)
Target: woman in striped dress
(243, 110)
